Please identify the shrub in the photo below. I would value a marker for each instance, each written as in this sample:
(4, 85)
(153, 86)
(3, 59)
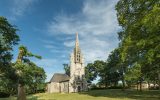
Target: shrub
(4, 95)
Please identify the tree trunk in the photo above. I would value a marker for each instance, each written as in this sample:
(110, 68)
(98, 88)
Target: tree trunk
(114, 84)
(137, 86)
(148, 85)
(154, 84)
(35, 88)
(123, 82)
(105, 84)
(140, 85)
(21, 92)
(159, 80)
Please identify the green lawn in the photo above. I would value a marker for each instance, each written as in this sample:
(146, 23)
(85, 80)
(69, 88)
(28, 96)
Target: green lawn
(97, 95)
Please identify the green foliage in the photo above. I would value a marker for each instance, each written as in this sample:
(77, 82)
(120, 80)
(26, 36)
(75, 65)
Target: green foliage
(8, 38)
(133, 73)
(29, 74)
(67, 69)
(113, 69)
(92, 70)
(140, 38)
(23, 71)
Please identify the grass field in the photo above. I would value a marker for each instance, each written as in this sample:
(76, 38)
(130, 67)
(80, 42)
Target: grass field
(96, 95)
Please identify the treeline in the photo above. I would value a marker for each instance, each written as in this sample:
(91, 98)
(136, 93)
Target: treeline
(20, 76)
(137, 58)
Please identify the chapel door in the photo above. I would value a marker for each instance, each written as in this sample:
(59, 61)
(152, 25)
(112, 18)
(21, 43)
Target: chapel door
(79, 88)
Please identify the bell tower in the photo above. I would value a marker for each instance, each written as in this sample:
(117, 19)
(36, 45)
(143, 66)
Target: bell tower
(77, 69)
(77, 51)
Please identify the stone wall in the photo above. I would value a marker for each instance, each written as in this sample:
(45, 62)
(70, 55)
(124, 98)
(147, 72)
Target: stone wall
(64, 87)
(53, 87)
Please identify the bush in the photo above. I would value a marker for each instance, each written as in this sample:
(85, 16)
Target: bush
(98, 88)
(154, 88)
(115, 87)
(4, 95)
(41, 91)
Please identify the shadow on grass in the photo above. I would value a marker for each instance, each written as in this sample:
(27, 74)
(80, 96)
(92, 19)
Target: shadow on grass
(118, 93)
(30, 97)
(41, 96)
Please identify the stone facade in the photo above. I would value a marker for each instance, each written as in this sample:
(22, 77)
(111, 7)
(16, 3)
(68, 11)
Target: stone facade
(58, 87)
(58, 83)
(53, 87)
(77, 69)
(76, 81)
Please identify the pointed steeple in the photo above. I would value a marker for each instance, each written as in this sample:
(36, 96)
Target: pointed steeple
(77, 41)
(77, 51)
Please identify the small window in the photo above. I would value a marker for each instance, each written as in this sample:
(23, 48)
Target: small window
(78, 77)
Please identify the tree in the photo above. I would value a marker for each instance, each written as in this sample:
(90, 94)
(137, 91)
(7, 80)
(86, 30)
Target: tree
(67, 69)
(133, 74)
(140, 38)
(8, 38)
(36, 82)
(24, 71)
(22, 68)
(116, 67)
(101, 71)
(94, 70)
(90, 72)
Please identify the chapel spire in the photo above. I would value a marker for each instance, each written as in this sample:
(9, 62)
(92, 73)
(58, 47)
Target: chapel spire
(77, 51)
(77, 41)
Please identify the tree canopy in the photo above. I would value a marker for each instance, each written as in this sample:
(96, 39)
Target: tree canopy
(23, 71)
(8, 38)
(137, 58)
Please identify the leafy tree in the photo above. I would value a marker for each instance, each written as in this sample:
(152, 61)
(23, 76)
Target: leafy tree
(101, 71)
(140, 38)
(99, 65)
(23, 69)
(116, 68)
(67, 69)
(90, 72)
(133, 74)
(37, 80)
(8, 38)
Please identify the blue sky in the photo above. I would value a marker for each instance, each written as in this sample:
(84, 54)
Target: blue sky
(48, 27)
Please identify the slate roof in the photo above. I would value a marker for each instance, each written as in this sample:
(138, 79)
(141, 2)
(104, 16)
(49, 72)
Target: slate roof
(58, 77)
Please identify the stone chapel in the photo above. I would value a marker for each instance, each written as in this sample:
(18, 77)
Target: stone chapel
(76, 81)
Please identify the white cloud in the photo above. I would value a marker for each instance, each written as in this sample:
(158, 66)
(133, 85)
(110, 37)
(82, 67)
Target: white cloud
(52, 46)
(69, 43)
(47, 41)
(46, 62)
(49, 46)
(96, 18)
(19, 7)
(97, 27)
